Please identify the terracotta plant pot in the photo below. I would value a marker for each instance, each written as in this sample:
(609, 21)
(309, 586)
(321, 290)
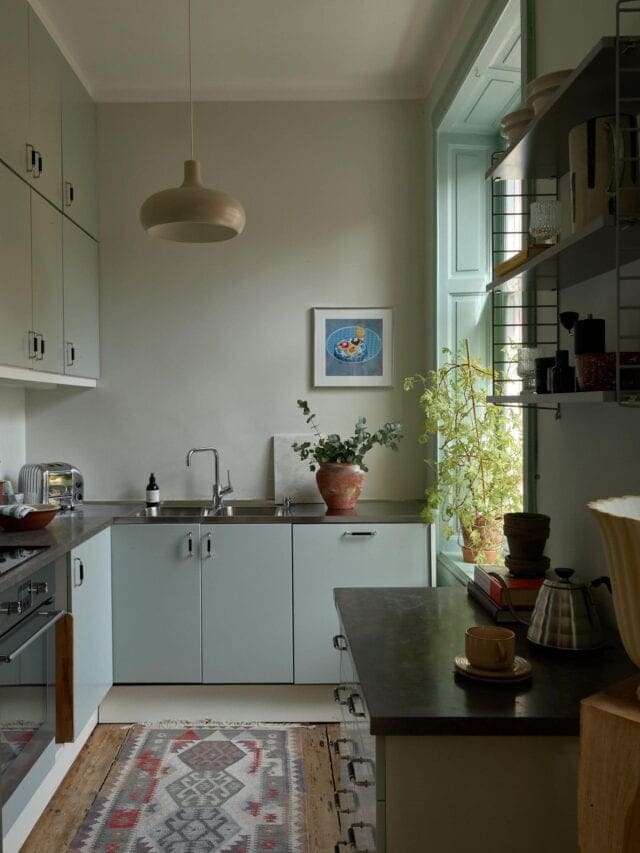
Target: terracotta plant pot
(340, 484)
(490, 541)
(527, 534)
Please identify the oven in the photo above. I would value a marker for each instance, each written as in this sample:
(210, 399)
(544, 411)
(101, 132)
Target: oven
(28, 616)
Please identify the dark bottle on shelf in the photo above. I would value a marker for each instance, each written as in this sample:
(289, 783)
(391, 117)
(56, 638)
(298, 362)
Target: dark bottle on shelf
(153, 492)
(562, 377)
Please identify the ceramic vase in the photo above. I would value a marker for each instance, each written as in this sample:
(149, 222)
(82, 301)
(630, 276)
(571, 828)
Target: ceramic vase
(619, 521)
(340, 484)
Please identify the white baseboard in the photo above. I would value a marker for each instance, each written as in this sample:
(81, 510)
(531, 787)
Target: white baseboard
(65, 756)
(225, 703)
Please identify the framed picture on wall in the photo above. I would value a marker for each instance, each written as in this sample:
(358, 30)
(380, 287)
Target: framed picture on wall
(353, 347)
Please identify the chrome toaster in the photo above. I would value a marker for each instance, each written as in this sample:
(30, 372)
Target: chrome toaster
(52, 482)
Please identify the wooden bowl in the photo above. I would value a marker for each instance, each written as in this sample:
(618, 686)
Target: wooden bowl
(41, 516)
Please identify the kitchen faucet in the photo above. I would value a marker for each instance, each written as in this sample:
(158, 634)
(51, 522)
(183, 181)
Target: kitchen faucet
(218, 491)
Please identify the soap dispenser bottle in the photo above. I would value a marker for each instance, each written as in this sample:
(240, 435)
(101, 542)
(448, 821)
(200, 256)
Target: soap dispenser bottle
(153, 492)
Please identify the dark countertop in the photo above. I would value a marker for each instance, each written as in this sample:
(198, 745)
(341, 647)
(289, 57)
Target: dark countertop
(65, 532)
(403, 642)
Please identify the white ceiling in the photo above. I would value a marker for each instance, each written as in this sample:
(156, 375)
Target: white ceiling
(135, 50)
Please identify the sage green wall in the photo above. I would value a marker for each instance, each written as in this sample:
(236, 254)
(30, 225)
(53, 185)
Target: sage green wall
(211, 344)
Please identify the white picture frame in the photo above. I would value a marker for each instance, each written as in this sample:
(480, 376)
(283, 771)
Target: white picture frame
(353, 347)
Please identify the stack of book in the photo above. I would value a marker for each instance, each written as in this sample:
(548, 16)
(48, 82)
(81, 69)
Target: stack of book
(490, 595)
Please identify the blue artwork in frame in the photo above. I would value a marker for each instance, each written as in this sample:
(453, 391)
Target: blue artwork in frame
(353, 346)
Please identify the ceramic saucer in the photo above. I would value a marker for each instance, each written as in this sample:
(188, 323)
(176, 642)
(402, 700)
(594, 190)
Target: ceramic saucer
(520, 671)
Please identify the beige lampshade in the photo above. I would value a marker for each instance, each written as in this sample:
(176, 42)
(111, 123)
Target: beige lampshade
(191, 213)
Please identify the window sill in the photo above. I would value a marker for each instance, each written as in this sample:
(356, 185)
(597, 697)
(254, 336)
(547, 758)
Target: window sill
(450, 568)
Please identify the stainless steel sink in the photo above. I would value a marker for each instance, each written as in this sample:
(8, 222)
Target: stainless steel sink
(197, 511)
(231, 510)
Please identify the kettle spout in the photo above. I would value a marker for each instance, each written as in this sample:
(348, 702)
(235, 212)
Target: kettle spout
(507, 595)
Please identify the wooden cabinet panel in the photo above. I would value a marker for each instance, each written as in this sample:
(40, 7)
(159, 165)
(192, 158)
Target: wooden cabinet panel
(247, 620)
(15, 269)
(156, 604)
(81, 302)
(46, 278)
(79, 141)
(337, 555)
(90, 594)
(14, 83)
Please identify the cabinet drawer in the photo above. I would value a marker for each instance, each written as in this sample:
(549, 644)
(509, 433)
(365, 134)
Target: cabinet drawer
(345, 555)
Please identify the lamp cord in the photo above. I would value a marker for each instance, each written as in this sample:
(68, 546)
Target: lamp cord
(190, 73)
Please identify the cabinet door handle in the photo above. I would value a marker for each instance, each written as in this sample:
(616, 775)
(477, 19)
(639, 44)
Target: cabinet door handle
(71, 353)
(42, 348)
(78, 574)
(209, 550)
(68, 193)
(345, 756)
(337, 694)
(360, 533)
(340, 642)
(40, 165)
(31, 157)
(351, 705)
(353, 778)
(351, 835)
(33, 344)
(354, 805)
(36, 171)
(189, 544)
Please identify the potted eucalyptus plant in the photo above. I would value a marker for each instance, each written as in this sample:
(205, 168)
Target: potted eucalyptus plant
(478, 468)
(339, 463)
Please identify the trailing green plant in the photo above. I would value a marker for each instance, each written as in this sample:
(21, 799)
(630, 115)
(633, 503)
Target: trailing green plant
(332, 448)
(479, 461)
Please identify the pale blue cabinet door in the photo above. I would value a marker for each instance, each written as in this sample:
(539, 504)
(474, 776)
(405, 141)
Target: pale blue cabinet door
(90, 595)
(328, 556)
(246, 604)
(156, 604)
(14, 84)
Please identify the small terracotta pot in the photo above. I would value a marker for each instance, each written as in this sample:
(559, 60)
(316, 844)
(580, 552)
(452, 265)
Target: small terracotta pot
(340, 484)
(527, 534)
(491, 539)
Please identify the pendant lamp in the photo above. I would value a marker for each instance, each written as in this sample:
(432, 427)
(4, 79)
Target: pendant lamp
(191, 213)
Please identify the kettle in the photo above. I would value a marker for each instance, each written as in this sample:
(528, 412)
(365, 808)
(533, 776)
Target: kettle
(564, 616)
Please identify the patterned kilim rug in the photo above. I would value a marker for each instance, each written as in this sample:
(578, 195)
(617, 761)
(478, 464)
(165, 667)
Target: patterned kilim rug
(225, 788)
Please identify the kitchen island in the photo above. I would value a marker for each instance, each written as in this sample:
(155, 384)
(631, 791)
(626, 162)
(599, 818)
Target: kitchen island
(456, 764)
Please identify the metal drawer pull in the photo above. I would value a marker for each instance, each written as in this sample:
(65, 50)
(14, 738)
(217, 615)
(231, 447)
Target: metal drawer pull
(78, 572)
(352, 807)
(351, 835)
(337, 694)
(345, 756)
(51, 617)
(351, 770)
(340, 642)
(209, 553)
(351, 705)
(360, 533)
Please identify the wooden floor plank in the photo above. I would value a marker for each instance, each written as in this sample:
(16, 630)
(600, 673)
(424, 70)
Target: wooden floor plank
(322, 818)
(63, 816)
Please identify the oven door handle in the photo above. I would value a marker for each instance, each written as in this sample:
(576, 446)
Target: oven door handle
(50, 618)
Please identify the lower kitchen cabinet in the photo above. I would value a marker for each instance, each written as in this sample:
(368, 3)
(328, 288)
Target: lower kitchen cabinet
(326, 556)
(156, 603)
(90, 601)
(247, 618)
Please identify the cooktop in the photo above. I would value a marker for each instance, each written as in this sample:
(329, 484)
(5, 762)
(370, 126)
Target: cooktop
(12, 556)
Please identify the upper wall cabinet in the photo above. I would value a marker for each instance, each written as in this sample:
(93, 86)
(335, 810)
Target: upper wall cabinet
(14, 83)
(46, 280)
(81, 298)
(79, 191)
(44, 144)
(15, 269)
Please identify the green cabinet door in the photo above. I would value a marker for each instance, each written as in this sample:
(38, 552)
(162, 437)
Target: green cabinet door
(247, 620)
(15, 270)
(46, 278)
(90, 596)
(80, 192)
(81, 302)
(14, 83)
(156, 603)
